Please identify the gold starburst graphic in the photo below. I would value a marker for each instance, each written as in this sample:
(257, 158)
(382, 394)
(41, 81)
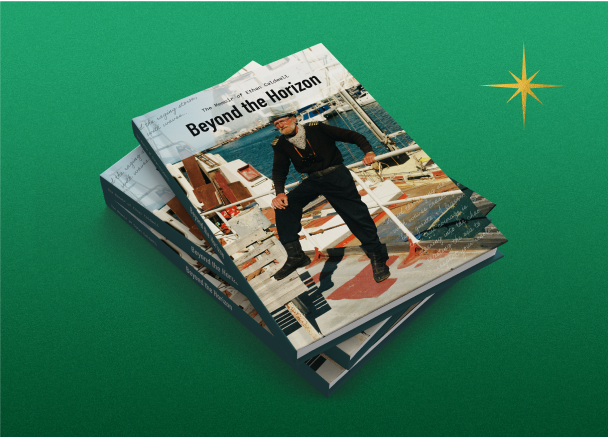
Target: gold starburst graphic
(523, 86)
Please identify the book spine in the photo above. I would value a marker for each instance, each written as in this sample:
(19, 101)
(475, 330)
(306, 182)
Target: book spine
(191, 248)
(244, 288)
(191, 272)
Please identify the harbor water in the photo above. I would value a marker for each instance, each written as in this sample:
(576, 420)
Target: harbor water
(255, 148)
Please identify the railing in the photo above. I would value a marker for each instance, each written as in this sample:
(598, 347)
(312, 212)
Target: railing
(356, 164)
(329, 211)
(387, 211)
(368, 190)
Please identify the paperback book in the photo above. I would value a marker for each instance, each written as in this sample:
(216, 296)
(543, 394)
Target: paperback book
(315, 201)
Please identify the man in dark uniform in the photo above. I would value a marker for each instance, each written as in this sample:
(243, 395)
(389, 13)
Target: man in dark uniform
(312, 150)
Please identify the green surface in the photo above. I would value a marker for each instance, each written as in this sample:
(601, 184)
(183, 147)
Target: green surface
(102, 336)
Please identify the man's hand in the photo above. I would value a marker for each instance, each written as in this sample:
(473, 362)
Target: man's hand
(279, 202)
(369, 158)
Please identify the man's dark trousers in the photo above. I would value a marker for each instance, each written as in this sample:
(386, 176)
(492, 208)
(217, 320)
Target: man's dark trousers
(341, 192)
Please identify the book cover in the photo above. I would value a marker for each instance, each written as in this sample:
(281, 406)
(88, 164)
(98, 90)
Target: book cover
(379, 232)
(135, 184)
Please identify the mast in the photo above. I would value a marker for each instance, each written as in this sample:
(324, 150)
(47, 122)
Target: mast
(388, 142)
(373, 127)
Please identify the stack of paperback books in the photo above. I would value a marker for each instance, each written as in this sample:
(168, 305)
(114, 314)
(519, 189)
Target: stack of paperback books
(295, 201)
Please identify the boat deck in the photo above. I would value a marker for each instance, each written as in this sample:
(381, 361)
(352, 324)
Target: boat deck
(346, 283)
(340, 278)
(417, 215)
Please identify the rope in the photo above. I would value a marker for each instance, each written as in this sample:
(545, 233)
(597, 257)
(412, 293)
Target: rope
(352, 127)
(377, 119)
(351, 153)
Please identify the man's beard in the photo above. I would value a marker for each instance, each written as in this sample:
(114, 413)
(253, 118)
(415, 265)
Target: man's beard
(293, 132)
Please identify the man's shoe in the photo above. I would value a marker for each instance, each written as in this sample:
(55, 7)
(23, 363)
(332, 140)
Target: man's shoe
(296, 258)
(379, 267)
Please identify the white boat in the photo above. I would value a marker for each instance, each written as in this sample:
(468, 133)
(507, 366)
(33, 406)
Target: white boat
(365, 99)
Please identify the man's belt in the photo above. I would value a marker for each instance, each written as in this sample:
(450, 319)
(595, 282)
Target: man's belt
(325, 171)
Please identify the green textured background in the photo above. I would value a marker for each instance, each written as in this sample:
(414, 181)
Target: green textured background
(101, 336)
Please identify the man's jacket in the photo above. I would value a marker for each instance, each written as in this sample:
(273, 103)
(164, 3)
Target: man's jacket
(322, 138)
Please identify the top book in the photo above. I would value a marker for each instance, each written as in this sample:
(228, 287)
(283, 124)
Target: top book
(316, 201)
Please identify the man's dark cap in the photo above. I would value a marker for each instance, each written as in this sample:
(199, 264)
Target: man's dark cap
(286, 114)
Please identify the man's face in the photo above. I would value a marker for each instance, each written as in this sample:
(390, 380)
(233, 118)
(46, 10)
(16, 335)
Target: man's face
(286, 125)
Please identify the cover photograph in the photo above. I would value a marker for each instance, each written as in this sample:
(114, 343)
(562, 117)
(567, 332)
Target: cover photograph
(314, 199)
